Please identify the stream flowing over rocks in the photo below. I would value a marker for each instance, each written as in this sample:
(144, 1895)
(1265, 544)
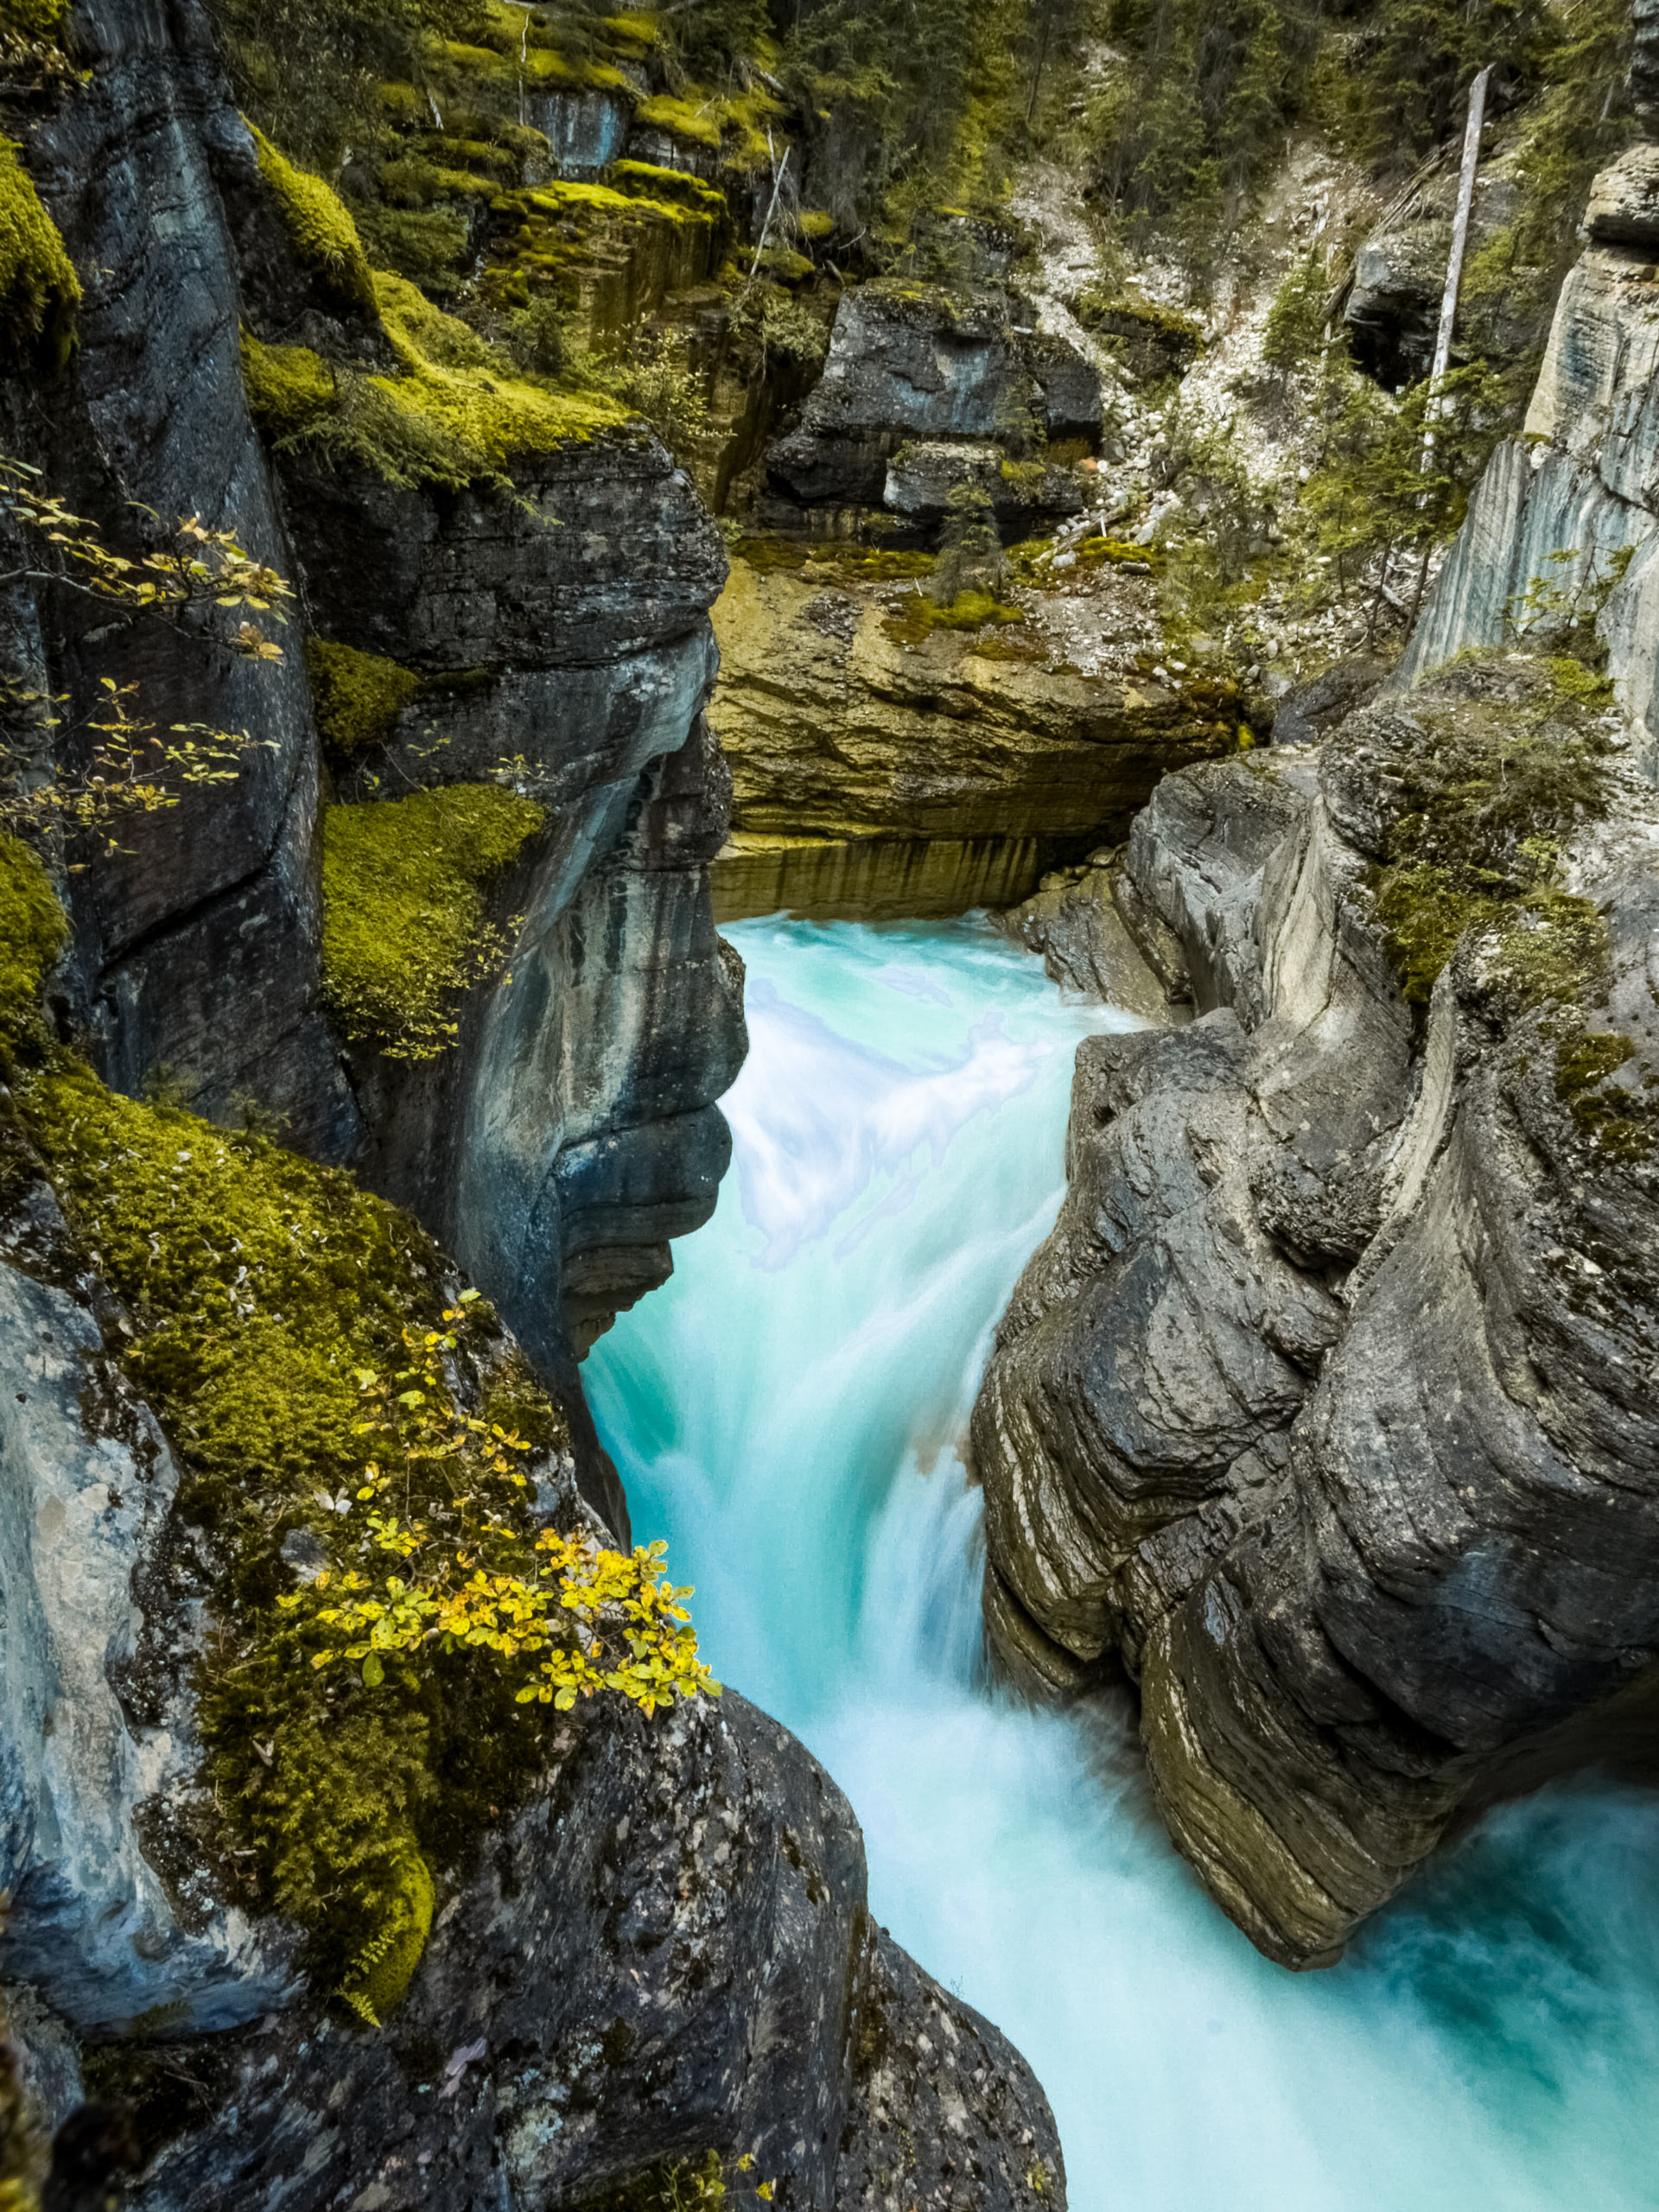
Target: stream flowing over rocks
(1319, 1439)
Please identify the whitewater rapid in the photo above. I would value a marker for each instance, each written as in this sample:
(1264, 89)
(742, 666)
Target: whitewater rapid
(787, 1412)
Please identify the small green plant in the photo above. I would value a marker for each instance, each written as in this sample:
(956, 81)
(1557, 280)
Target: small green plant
(661, 383)
(1293, 336)
(1476, 842)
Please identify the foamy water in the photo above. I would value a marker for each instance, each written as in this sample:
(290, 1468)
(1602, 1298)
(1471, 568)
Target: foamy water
(786, 1412)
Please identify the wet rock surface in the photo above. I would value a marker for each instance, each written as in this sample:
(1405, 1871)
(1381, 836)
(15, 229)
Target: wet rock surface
(667, 1955)
(1326, 1402)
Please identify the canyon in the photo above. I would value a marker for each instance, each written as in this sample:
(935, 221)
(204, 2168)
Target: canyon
(1323, 1420)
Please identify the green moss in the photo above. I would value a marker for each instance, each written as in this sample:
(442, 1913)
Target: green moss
(970, 610)
(646, 180)
(320, 230)
(40, 291)
(289, 387)
(358, 696)
(456, 416)
(697, 124)
(815, 224)
(32, 934)
(634, 29)
(1474, 845)
(766, 556)
(426, 244)
(377, 1977)
(404, 925)
(33, 20)
(1616, 1120)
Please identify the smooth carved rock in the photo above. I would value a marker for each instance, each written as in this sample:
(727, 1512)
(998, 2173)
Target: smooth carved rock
(92, 1770)
(847, 731)
(667, 1952)
(1330, 1401)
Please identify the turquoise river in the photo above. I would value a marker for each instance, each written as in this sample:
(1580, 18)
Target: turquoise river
(789, 1412)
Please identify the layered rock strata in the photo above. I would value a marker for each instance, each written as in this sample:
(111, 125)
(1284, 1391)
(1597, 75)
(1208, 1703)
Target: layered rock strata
(1563, 532)
(1329, 1403)
(883, 764)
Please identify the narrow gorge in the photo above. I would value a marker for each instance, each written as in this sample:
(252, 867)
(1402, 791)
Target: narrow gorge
(630, 642)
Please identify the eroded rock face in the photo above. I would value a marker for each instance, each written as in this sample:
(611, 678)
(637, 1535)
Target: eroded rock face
(961, 757)
(572, 618)
(910, 366)
(1329, 1403)
(665, 1954)
(1563, 526)
(86, 1763)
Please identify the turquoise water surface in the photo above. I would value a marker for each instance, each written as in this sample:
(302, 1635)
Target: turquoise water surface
(788, 1411)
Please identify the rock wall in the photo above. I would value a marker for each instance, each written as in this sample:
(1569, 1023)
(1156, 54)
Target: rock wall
(1563, 527)
(573, 616)
(667, 1954)
(664, 1956)
(882, 767)
(1327, 1404)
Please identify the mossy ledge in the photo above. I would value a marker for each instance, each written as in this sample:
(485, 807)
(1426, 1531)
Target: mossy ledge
(40, 292)
(454, 418)
(320, 230)
(358, 696)
(404, 932)
(262, 1296)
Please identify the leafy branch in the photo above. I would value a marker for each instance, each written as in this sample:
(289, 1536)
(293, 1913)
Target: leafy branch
(133, 766)
(477, 1577)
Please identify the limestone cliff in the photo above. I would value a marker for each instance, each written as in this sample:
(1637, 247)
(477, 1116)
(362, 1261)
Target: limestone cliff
(1563, 532)
(883, 763)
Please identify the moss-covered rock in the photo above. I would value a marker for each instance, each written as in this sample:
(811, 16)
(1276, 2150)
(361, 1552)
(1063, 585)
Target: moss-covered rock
(32, 19)
(358, 696)
(40, 291)
(377, 1977)
(404, 932)
(32, 932)
(319, 228)
(289, 387)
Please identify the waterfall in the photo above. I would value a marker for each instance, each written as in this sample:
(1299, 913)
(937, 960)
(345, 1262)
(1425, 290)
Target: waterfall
(789, 1412)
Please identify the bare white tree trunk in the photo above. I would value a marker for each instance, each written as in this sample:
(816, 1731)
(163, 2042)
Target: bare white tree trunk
(1454, 265)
